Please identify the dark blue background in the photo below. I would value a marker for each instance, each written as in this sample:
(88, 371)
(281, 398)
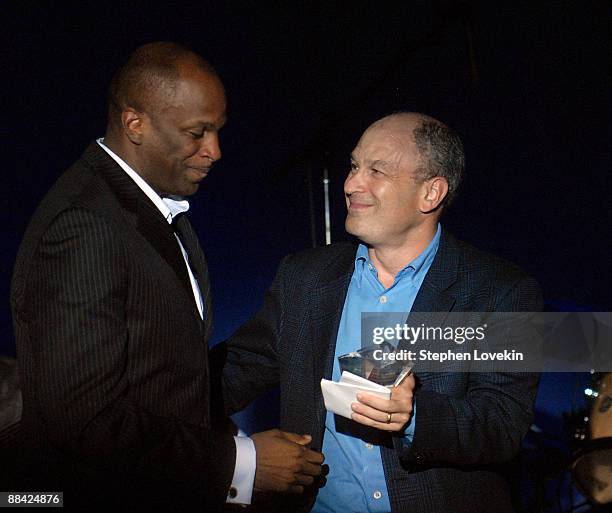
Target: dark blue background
(303, 83)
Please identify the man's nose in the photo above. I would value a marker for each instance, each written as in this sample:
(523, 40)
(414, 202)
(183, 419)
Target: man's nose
(210, 146)
(353, 183)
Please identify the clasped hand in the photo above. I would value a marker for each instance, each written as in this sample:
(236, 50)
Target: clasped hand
(386, 414)
(284, 463)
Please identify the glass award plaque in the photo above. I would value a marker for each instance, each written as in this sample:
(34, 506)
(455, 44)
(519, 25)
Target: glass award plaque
(375, 363)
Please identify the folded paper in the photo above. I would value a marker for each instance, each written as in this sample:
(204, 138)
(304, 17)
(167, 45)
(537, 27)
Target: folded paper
(339, 396)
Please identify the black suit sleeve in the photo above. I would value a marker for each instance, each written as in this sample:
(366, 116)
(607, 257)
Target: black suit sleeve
(485, 425)
(75, 308)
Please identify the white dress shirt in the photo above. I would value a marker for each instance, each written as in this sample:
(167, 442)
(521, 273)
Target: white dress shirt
(241, 489)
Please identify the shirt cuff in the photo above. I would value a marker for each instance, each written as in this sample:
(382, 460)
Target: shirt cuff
(409, 429)
(241, 489)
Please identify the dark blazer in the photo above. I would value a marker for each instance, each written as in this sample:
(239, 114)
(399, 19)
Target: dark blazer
(466, 424)
(112, 351)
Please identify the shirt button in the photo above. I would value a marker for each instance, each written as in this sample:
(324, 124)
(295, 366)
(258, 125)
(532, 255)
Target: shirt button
(369, 446)
(377, 494)
(383, 299)
(233, 492)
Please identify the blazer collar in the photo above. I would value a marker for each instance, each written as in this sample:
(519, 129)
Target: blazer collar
(140, 211)
(434, 295)
(124, 188)
(327, 298)
(326, 302)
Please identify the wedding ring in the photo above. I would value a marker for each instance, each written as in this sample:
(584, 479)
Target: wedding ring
(388, 418)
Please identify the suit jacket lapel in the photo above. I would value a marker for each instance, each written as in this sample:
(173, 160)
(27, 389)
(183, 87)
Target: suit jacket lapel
(140, 211)
(433, 295)
(198, 265)
(435, 298)
(154, 228)
(327, 300)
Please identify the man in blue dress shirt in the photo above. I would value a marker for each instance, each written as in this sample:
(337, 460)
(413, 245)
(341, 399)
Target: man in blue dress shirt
(439, 443)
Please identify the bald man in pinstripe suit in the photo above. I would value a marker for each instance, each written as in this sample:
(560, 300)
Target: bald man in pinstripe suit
(112, 315)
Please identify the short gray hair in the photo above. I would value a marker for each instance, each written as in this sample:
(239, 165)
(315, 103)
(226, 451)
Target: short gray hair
(441, 154)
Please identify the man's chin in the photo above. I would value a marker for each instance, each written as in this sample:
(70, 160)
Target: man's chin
(189, 189)
(359, 231)
(352, 226)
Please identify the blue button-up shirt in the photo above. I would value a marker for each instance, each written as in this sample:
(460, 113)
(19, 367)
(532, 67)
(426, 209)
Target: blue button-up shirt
(356, 480)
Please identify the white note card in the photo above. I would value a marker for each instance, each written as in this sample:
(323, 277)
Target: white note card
(339, 396)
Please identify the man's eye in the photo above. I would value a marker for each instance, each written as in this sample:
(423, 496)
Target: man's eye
(196, 135)
(376, 171)
(353, 166)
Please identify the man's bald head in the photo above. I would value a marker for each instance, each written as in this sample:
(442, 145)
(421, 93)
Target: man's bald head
(148, 78)
(166, 108)
(438, 147)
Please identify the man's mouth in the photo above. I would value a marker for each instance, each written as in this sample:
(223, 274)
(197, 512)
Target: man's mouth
(358, 206)
(202, 171)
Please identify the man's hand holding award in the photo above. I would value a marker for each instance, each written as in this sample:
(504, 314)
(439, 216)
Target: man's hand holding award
(376, 393)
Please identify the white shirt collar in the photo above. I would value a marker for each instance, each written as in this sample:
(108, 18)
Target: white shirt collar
(170, 206)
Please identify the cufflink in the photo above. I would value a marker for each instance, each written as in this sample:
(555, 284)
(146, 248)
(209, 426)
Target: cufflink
(232, 492)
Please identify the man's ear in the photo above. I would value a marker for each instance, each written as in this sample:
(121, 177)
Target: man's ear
(434, 191)
(132, 123)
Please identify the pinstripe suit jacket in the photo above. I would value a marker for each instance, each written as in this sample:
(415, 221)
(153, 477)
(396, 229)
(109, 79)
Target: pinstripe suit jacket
(112, 351)
(466, 424)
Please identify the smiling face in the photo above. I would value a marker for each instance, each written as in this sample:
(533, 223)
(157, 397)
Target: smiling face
(179, 139)
(384, 201)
